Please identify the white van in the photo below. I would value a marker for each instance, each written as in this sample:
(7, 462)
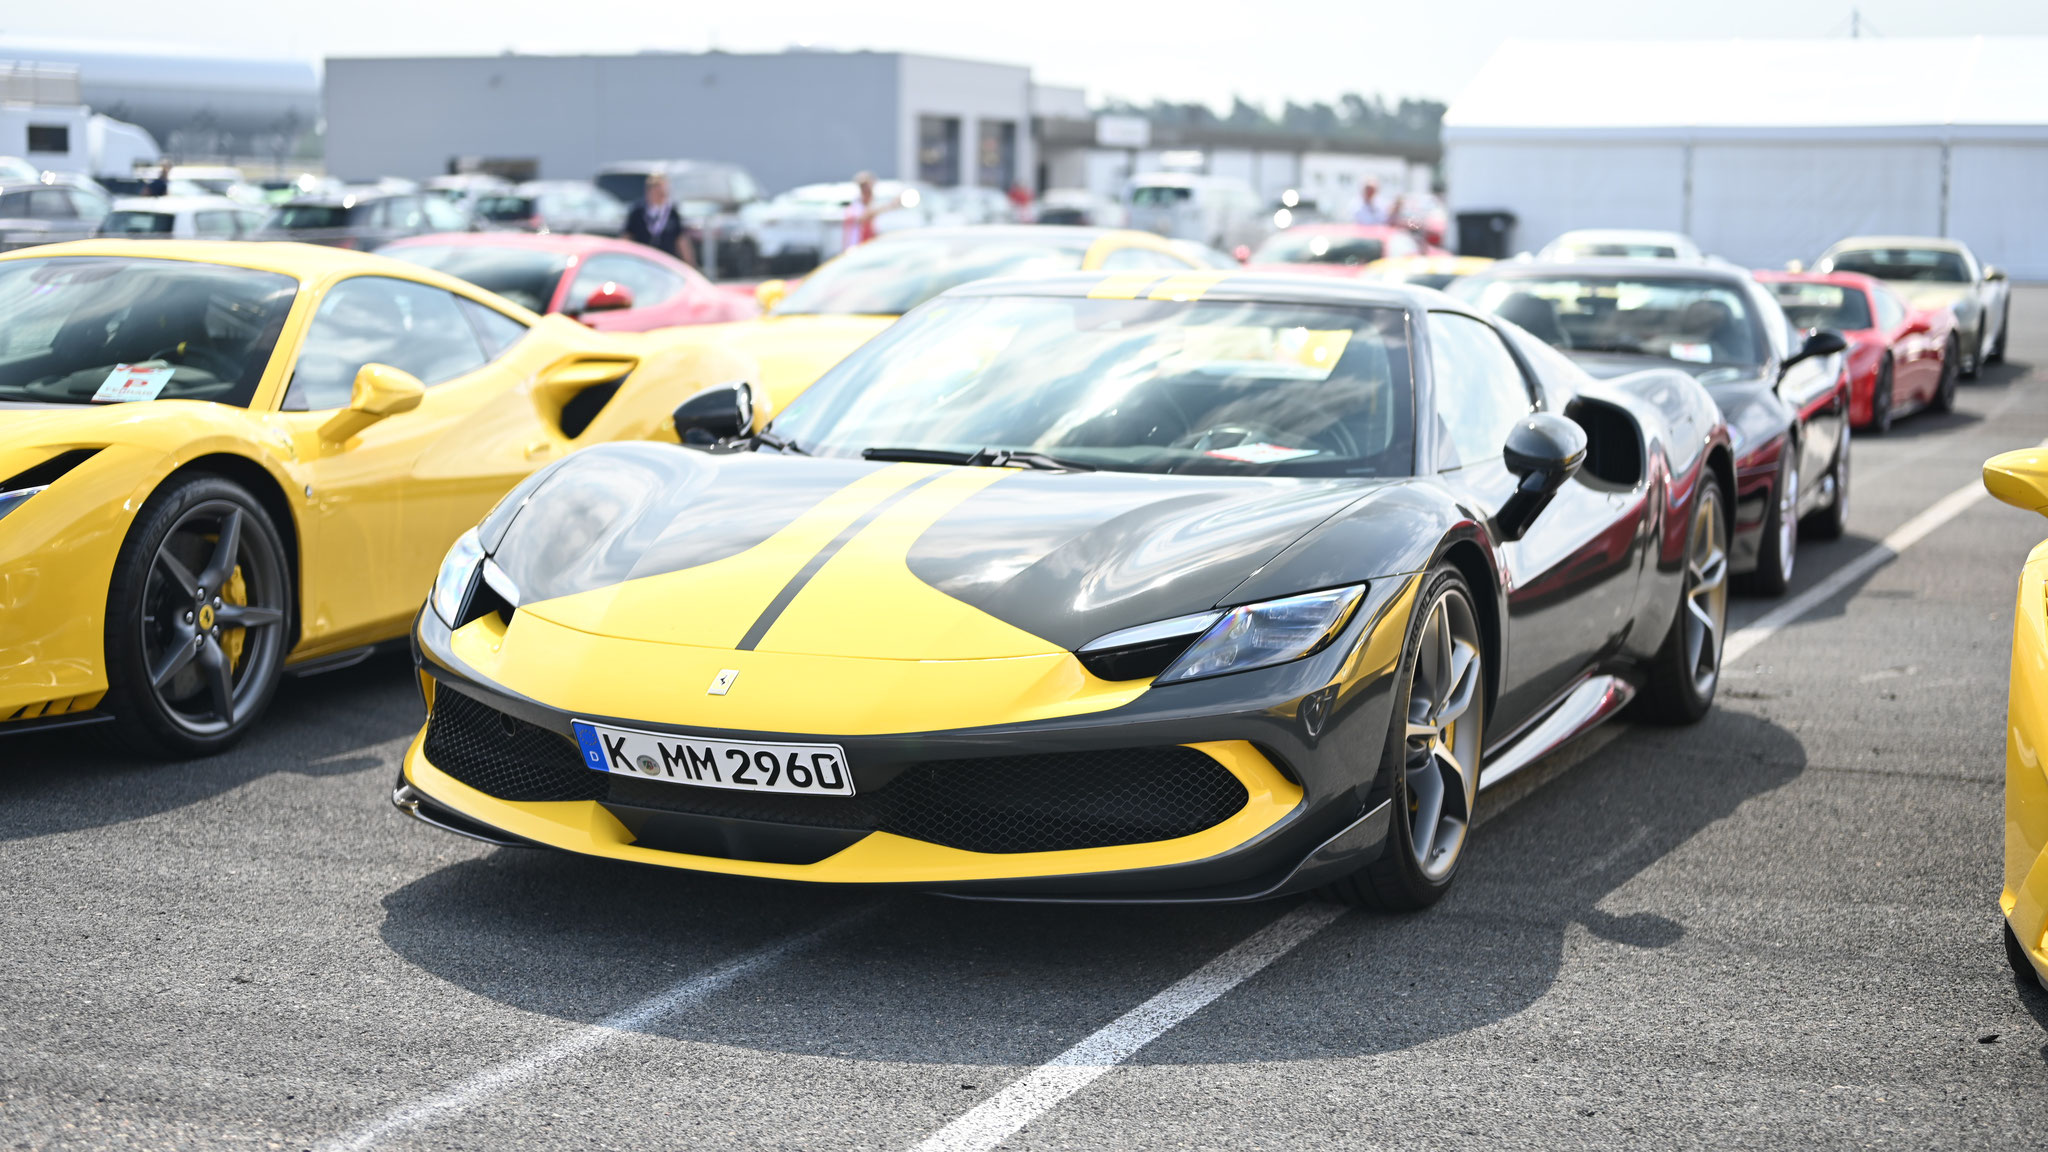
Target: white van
(1214, 210)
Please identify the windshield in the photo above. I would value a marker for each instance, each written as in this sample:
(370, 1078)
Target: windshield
(1153, 195)
(126, 222)
(1809, 305)
(1697, 323)
(99, 329)
(890, 277)
(1214, 387)
(1937, 265)
(1319, 248)
(310, 216)
(1609, 250)
(522, 275)
(504, 208)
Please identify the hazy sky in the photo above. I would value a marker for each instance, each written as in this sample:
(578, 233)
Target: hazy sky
(1293, 49)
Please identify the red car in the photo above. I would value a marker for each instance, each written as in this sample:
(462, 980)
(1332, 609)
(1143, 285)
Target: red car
(1337, 249)
(1901, 359)
(613, 285)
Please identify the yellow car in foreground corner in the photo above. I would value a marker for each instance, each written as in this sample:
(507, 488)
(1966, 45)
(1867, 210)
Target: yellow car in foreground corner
(2021, 480)
(222, 462)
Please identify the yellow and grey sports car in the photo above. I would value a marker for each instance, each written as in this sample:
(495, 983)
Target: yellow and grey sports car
(1205, 586)
(221, 462)
(2021, 479)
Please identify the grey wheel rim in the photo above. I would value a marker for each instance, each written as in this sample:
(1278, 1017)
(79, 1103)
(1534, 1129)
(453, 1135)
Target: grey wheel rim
(1446, 715)
(1840, 479)
(212, 619)
(1788, 522)
(1706, 595)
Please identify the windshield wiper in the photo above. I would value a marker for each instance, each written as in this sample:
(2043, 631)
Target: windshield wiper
(767, 439)
(980, 457)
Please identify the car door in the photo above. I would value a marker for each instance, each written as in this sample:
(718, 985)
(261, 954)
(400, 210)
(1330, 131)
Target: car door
(1812, 389)
(1571, 579)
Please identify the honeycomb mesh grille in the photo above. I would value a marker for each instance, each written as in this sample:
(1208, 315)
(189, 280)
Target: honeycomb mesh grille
(501, 755)
(1040, 803)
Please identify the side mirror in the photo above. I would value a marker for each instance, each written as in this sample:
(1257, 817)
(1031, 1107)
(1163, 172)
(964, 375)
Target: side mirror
(611, 296)
(2019, 478)
(769, 293)
(1993, 272)
(1543, 450)
(1819, 342)
(380, 390)
(715, 414)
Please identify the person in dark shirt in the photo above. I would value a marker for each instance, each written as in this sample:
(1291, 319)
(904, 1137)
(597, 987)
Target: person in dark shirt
(655, 221)
(160, 185)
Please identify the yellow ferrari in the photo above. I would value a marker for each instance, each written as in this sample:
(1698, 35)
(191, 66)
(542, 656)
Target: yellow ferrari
(852, 297)
(1425, 271)
(2021, 480)
(223, 462)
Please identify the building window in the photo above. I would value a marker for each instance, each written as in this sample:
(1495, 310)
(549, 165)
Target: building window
(997, 156)
(938, 150)
(49, 138)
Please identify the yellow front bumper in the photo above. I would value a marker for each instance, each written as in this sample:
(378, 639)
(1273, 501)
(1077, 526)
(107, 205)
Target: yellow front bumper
(2024, 899)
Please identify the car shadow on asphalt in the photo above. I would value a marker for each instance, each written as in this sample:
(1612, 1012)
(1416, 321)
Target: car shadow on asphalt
(928, 980)
(71, 779)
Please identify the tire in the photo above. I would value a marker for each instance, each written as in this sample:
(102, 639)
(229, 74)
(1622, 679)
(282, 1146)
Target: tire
(1951, 369)
(1975, 362)
(1881, 402)
(1687, 667)
(1831, 522)
(1997, 353)
(1432, 753)
(1778, 552)
(2022, 968)
(198, 617)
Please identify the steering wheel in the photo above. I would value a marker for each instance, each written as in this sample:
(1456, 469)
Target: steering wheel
(205, 359)
(1233, 435)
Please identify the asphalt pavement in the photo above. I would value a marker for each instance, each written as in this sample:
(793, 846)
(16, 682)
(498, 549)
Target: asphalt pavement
(1778, 928)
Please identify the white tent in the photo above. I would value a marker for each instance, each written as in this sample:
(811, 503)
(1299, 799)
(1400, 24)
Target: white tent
(1764, 151)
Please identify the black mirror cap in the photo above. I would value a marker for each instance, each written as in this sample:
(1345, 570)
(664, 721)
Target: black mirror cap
(1824, 342)
(715, 414)
(1546, 445)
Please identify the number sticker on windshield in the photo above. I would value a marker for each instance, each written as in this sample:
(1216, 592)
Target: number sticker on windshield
(1693, 353)
(133, 382)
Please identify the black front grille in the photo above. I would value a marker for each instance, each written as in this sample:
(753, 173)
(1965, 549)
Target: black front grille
(1038, 803)
(501, 755)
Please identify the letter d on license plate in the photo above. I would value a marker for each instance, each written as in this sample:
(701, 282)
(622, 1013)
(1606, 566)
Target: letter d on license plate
(802, 769)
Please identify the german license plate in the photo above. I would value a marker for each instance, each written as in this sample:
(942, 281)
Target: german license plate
(799, 769)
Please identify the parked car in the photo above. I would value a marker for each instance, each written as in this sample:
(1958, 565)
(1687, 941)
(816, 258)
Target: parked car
(183, 218)
(566, 206)
(609, 284)
(1062, 591)
(1785, 393)
(1901, 358)
(283, 190)
(219, 180)
(713, 197)
(50, 208)
(1079, 206)
(1930, 272)
(1620, 244)
(1214, 210)
(808, 225)
(1334, 249)
(465, 187)
(2020, 478)
(360, 218)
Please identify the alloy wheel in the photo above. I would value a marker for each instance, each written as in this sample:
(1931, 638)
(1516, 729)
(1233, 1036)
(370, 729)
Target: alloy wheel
(1706, 596)
(1788, 523)
(212, 616)
(1446, 713)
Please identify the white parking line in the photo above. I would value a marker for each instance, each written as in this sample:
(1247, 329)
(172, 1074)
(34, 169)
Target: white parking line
(1000, 1116)
(499, 1077)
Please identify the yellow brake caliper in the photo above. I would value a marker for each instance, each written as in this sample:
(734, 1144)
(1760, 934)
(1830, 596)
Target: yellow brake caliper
(231, 639)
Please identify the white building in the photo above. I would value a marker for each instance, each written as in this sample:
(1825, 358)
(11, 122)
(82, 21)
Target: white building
(43, 122)
(1764, 151)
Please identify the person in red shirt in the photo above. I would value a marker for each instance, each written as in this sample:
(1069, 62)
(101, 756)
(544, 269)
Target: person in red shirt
(861, 214)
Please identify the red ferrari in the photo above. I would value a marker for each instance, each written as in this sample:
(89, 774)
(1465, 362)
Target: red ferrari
(614, 285)
(1336, 249)
(1901, 359)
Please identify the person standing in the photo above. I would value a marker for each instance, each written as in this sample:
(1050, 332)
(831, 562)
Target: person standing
(656, 222)
(1368, 211)
(859, 227)
(161, 184)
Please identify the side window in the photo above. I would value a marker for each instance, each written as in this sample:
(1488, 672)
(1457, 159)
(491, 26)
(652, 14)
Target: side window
(214, 225)
(649, 283)
(1480, 392)
(1890, 311)
(14, 205)
(404, 212)
(497, 330)
(380, 320)
(249, 223)
(88, 206)
(371, 215)
(444, 216)
(51, 204)
(1143, 260)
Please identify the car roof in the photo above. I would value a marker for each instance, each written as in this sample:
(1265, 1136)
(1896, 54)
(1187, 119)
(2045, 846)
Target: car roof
(1220, 284)
(1854, 243)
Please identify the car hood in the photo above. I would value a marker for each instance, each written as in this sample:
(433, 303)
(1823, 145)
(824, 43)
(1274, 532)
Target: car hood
(29, 431)
(1741, 391)
(1931, 294)
(791, 352)
(849, 558)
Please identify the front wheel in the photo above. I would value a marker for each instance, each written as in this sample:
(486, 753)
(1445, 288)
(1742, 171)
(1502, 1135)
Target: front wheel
(1975, 360)
(197, 615)
(1687, 668)
(1951, 368)
(1431, 753)
(1996, 355)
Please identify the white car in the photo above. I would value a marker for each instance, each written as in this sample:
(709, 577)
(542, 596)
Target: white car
(182, 218)
(809, 225)
(1079, 206)
(1214, 210)
(1936, 272)
(1621, 244)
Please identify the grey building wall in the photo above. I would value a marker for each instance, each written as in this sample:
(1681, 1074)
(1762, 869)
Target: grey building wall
(790, 118)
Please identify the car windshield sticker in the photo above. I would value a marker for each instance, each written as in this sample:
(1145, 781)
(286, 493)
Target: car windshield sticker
(133, 382)
(1259, 453)
(1693, 353)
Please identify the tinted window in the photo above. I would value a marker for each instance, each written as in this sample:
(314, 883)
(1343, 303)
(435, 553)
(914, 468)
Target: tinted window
(1480, 391)
(1154, 194)
(505, 209)
(214, 225)
(51, 204)
(1933, 264)
(1810, 305)
(627, 186)
(649, 283)
(525, 276)
(379, 320)
(71, 320)
(310, 216)
(14, 204)
(133, 223)
(1699, 324)
(497, 330)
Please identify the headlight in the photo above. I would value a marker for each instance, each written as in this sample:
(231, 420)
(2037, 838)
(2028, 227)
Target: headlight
(457, 575)
(1261, 635)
